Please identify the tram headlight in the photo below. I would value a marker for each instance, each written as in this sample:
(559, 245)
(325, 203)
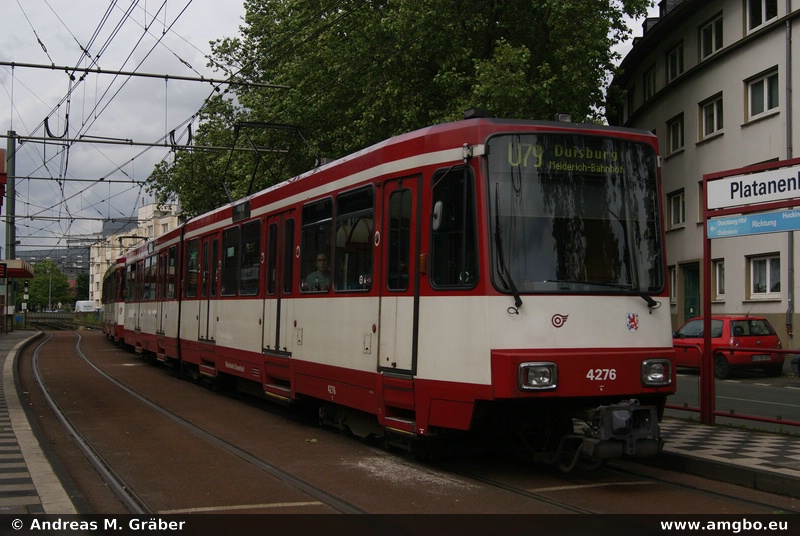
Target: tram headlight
(538, 376)
(656, 372)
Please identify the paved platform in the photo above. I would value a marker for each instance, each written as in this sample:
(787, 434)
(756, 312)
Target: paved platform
(28, 483)
(758, 460)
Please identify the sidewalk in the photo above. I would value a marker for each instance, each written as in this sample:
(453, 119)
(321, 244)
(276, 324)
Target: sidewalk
(28, 484)
(757, 460)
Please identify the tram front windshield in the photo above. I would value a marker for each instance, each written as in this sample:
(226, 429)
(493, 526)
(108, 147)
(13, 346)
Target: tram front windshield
(574, 214)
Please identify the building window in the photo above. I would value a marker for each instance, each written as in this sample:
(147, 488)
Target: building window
(765, 276)
(711, 37)
(675, 134)
(676, 202)
(631, 100)
(760, 12)
(719, 279)
(675, 62)
(763, 94)
(673, 285)
(711, 120)
(649, 84)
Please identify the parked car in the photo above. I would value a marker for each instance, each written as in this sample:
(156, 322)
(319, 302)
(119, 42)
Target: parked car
(730, 331)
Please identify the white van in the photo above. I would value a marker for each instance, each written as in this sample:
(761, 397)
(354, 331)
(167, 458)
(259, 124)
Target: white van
(84, 306)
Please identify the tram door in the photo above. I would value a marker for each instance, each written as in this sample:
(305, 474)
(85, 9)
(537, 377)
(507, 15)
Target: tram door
(400, 286)
(280, 262)
(209, 266)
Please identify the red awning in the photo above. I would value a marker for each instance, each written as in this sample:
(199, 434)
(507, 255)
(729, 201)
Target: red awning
(18, 269)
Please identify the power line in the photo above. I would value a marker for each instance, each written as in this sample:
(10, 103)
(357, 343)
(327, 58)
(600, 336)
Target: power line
(113, 141)
(97, 70)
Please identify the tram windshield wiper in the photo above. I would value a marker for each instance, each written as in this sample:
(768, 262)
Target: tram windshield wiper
(502, 270)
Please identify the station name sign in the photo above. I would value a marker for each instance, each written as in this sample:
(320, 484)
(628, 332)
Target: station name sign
(773, 185)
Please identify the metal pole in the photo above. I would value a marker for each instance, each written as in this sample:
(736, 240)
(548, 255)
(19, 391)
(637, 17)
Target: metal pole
(11, 234)
(707, 394)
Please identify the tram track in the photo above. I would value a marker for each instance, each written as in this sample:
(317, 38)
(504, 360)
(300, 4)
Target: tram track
(124, 491)
(338, 473)
(622, 475)
(114, 481)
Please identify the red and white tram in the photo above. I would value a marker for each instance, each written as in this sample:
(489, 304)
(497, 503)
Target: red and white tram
(113, 299)
(480, 274)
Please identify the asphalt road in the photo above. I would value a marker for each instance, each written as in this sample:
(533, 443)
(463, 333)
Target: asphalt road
(746, 394)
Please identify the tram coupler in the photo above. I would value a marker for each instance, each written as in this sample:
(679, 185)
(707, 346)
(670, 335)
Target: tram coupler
(626, 428)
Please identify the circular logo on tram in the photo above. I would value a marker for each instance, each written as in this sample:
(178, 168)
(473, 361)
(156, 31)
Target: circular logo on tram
(558, 320)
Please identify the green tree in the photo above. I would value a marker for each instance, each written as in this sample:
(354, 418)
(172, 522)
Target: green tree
(48, 288)
(82, 286)
(360, 71)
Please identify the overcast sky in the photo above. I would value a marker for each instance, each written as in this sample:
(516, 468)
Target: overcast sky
(112, 32)
(55, 32)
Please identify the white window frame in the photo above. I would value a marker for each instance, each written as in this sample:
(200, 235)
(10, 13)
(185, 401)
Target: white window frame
(675, 134)
(714, 29)
(769, 98)
(719, 279)
(676, 206)
(757, 19)
(675, 62)
(771, 269)
(649, 84)
(717, 123)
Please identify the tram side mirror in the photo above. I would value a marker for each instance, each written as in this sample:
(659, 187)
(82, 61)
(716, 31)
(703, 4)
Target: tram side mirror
(436, 217)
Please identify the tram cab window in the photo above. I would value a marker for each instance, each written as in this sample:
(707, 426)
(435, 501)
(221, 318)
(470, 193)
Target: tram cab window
(352, 260)
(454, 235)
(316, 246)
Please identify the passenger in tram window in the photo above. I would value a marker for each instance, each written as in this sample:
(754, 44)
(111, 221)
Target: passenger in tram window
(319, 280)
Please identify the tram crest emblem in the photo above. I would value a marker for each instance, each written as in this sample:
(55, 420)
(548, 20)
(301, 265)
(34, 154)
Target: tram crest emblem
(632, 321)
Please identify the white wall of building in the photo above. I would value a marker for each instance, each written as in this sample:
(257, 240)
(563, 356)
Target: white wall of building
(745, 55)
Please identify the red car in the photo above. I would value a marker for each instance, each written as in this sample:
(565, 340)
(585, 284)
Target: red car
(730, 331)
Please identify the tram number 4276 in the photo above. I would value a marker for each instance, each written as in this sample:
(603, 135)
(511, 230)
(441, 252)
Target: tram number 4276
(600, 375)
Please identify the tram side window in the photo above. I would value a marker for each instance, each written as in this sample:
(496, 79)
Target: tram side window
(171, 273)
(192, 267)
(272, 257)
(399, 243)
(122, 290)
(251, 259)
(145, 283)
(214, 266)
(454, 237)
(140, 277)
(151, 275)
(352, 259)
(130, 282)
(288, 256)
(230, 261)
(205, 262)
(316, 246)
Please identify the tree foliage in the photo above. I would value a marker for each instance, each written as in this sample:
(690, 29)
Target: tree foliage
(48, 288)
(360, 71)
